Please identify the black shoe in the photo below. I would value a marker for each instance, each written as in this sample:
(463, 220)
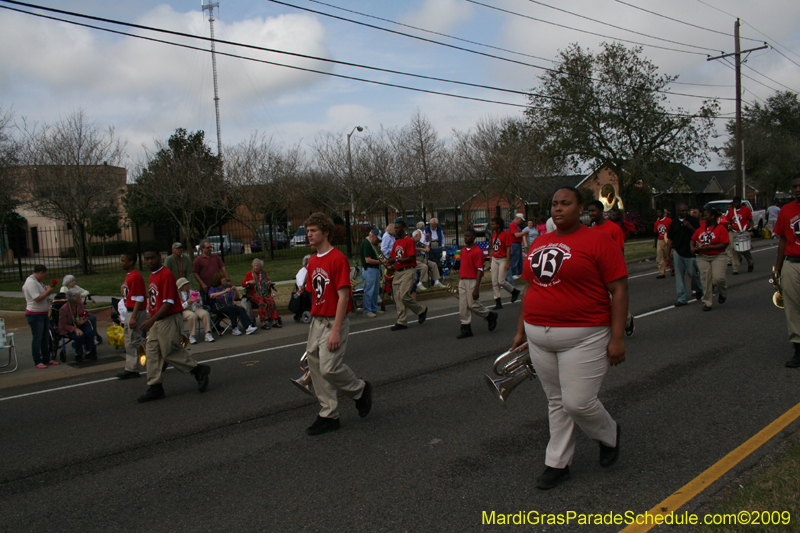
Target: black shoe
(126, 374)
(466, 331)
(514, 295)
(364, 404)
(609, 454)
(722, 299)
(201, 373)
(398, 327)
(165, 366)
(736, 273)
(79, 359)
(323, 425)
(422, 316)
(698, 295)
(630, 329)
(706, 308)
(153, 392)
(498, 304)
(93, 354)
(552, 477)
(661, 276)
(794, 362)
(492, 319)
(681, 304)
(751, 267)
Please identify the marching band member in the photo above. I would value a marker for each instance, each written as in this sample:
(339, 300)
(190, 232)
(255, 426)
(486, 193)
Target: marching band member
(739, 221)
(574, 330)
(788, 265)
(501, 244)
(133, 294)
(708, 243)
(404, 259)
(328, 281)
(660, 229)
(469, 287)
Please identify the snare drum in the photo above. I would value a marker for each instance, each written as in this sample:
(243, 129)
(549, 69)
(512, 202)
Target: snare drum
(741, 243)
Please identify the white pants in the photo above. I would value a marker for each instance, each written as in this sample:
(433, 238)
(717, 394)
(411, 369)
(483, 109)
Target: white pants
(571, 364)
(499, 268)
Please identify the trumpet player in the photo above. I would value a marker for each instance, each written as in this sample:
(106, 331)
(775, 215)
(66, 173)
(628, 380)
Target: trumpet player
(787, 265)
(404, 259)
(135, 312)
(573, 319)
(469, 287)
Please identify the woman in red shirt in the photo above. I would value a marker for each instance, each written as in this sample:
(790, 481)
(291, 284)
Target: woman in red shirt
(708, 243)
(574, 330)
(258, 288)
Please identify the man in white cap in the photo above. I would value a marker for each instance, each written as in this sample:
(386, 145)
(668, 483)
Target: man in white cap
(515, 229)
(179, 264)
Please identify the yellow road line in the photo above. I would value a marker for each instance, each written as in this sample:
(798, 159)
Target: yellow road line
(721, 467)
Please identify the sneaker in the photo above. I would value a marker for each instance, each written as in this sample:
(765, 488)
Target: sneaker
(364, 404)
(370, 315)
(153, 392)
(422, 316)
(323, 425)
(629, 329)
(209, 337)
(515, 278)
(398, 327)
(551, 477)
(379, 312)
(794, 362)
(722, 299)
(420, 287)
(492, 319)
(751, 267)
(53, 363)
(735, 272)
(251, 329)
(514, 295)
(236, 331)
(201, 373)
(706, 308)
(192, 340)
(681, 304)
(127, 374)
(610, 454)
(466, 331)
(437, 284)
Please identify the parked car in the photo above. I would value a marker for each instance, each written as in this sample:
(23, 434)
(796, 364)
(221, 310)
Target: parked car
(759, 217)
(299, 238)
(232, 246)
(279, 242)
(479, 225)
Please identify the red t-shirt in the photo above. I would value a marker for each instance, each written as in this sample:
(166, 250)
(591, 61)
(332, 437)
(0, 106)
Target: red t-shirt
(206, 267)
(662, 225)
(512, 229)
(327, 273)
(163, 291)
(739, 219)
(788, 226)
(471, 262)
(405, 247)
(613, 231)
(567, 276)
(716, 235)
(500, 241)
(133, 289)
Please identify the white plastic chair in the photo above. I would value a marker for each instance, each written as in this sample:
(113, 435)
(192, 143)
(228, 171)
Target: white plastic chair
(7, 343)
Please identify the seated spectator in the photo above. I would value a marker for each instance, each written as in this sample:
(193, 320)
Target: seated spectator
(204, 268)
(258, 289)
(424, 238)
(300, 277)
(434, 237)
(193, 310)
(424, 265)
(73, 322)
(303, 295)
(68, 283)
(221, 295)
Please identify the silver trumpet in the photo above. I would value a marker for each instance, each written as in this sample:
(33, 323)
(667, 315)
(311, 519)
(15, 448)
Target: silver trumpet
(513, 367)
(304, 382)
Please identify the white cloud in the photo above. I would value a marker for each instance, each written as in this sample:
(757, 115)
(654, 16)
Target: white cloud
(440, 15)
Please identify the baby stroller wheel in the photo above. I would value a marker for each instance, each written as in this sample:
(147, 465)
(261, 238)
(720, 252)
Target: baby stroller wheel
(306, 317)
(63, 355)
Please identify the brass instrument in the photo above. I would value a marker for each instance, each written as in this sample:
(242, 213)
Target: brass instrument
(452, 290)
(142, 351)
(304, 382)
(513, 367)
(777, 298)
(389, 268)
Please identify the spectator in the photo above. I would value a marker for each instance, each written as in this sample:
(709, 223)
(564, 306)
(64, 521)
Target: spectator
(772, 216)
(179, 264)
(73, 322)
(550, 226)
(541, 226)
(300, 277)
(387, 243)
(435, 239)
(371, 266)
(221, 294)
(193, 310)
(708, 243)
(424, 238)
(204, 268)
(300, 283)
(679, 237)
(515, 259)
(259, 291)
(68, 283)
(531, 233)
(37, 307)
(425, 267)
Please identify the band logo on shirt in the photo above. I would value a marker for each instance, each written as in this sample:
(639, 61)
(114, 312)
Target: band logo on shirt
(399, 253)
(706, 238)
(546, 262)
(319, 281)
(496, 245)
(152, 295)
(796, 227)
(125, 291)
(662, 230)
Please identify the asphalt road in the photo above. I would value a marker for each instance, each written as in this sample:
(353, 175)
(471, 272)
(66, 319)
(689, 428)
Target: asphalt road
(435, 452)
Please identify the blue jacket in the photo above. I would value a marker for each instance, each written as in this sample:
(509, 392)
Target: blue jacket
(439, 234)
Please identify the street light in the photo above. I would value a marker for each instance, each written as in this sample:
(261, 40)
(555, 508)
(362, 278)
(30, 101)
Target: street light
(350, 165)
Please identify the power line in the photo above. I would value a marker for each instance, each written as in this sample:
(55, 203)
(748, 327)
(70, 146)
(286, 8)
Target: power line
(727, 63)
(770, 79)
(785, 56)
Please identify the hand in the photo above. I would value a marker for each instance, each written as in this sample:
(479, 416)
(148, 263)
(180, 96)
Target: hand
(78, 333)
(251, 282)
(616, 352)
(131, 319)
(147, 324)
(519, 340)
(333, 341)
(686, 223)
(476, 293)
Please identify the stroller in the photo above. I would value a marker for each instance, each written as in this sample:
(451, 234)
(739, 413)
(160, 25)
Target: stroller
(451, 260)
(357, 287)
(58, 343)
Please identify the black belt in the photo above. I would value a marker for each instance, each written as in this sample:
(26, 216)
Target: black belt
(793, 259)
(129, 309)
(370, 266)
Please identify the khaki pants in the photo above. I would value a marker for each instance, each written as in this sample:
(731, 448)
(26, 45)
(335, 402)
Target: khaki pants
(736, 257)
(790, 283)
(466, 305)
(164, 344)
(133, 339)
(328, 373)
(191, 318)
(571, 364)
(401, 287)
(661, 256)
(499, 269)
(712, 274)
(427, 267)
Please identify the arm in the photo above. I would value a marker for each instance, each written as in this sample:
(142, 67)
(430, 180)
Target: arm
(619, 316)
(248, 279)
(44, 294)
(64, 319)
(520, 337)
(147, 324)
(476, 292)
(334, 340)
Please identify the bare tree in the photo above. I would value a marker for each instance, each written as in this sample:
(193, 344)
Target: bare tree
(68, 178)
(475, 159)
(423, 157)
(10, 198)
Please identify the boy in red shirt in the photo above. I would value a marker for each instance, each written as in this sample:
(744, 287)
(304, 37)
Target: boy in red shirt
(328, 281)
(501, 244)
(404, 259)
(165, 326)
(660, 229)
(787, 267)
(469, 287)
(739, 222)
(136, 313)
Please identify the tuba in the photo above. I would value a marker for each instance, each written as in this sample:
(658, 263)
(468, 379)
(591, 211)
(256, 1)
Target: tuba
(142, 351)
(453, 290)
(513, 367)
(304, 382)
(777, 298)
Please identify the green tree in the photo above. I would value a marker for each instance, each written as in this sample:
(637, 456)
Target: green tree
(609, 110)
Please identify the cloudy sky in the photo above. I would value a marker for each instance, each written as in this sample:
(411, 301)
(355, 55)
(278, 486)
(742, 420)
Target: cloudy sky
(146, 90)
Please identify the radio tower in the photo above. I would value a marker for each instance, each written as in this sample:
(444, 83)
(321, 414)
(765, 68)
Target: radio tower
(210, 8)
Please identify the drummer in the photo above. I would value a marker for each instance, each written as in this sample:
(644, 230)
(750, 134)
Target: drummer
(740, 220)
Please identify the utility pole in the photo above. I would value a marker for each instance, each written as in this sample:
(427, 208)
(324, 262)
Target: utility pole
(738, 170)
(210, 8)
